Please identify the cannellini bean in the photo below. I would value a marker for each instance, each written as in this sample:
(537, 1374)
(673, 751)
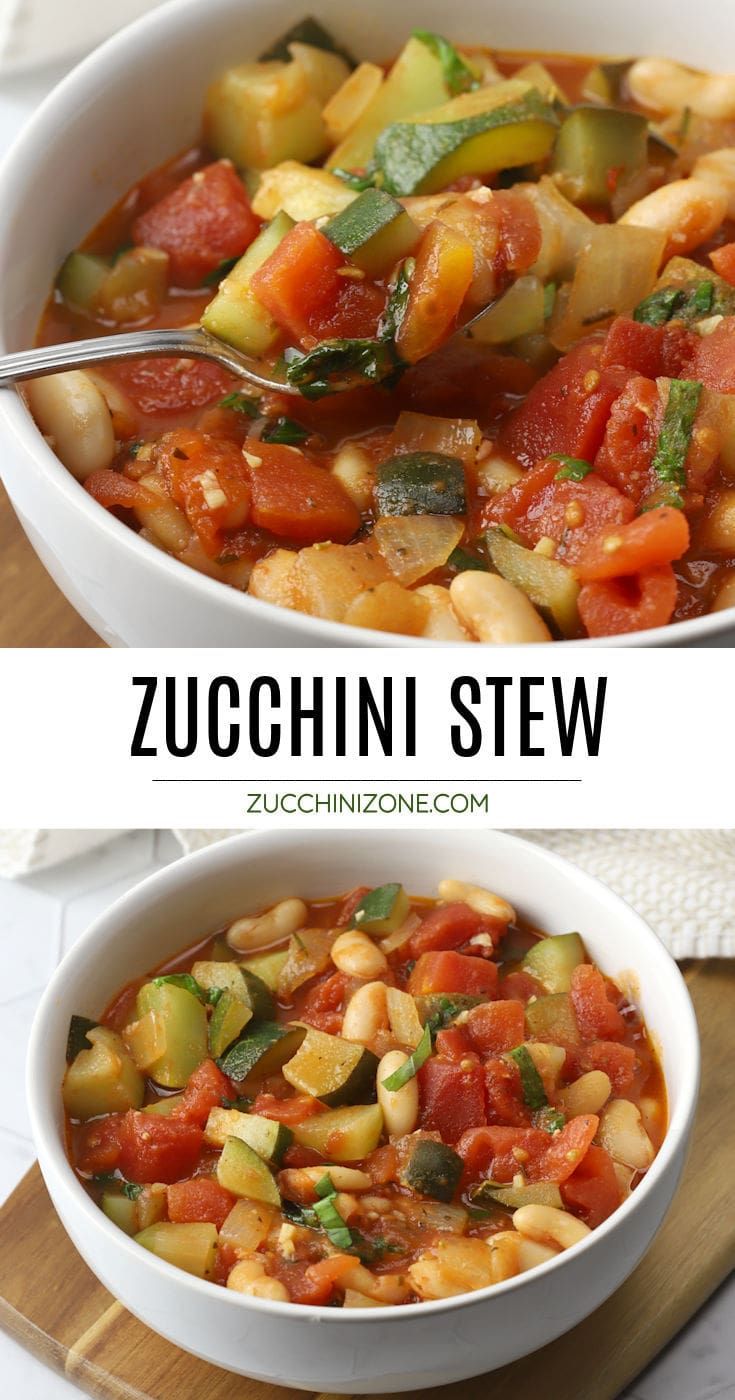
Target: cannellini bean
(285, 918)
(165, 519)
(355, 472)
(366, 1013)
(342, 1178)
(355, 954)
(718, 168)
(455, 1266)
(441, 624)
(549, 1061)
(493, 610)
(124, 420)
(665, 86)
(526, 1253)
(550, 1226)
(382, 1288)
(249, 1276)
(624, 1178)
(400, 1106)
(271, 578)
(481, 900)
(687, 211)
(622, 1134)
(588, 1094)
(70, 411)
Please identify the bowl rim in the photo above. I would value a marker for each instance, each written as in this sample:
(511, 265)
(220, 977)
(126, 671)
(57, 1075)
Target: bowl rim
(47, 124)
(205, 862)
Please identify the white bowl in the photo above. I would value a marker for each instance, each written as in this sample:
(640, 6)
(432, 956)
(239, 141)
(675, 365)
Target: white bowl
(382, 1349)
(129, 106)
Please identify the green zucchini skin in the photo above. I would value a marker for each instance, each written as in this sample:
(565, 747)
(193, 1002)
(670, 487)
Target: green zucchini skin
(433, 1169)
(262, 1050)
(331, 1069)
(421, 483)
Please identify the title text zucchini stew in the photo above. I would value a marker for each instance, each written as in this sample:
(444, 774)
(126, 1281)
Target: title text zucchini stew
(565, 467)
(366, 1100)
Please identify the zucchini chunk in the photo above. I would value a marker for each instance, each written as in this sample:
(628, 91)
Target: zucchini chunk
(183, 1021)
(134, 1213)
(241, 1171)
(342, 1134)
(81, 278)
(414, 84)
(331, 1069)
(592, 142)
(241, 982)
(548, 583)
(303, 191)
(228, 1020)
(433, 1169)
(374, 231)
(235, 314)
(267, 966)
(103, 1079)
(263, 1050)
(536, 1193)
(258, 114)
(306, 31)
(78, 1037)
(552, 1019)
(266, 1136)
(421, 483)
(439, 1009)
(553, 960)
(382, 910)
(192, 1247)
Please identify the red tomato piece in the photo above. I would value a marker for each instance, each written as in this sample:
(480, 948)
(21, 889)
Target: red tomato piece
(453, 972)
(382, 1165)
(208, 478)
(566, 411)
(298, 1156)
(349, 905)
(626, 455)
(643, 543)
(496, 1026)
(619, 1062)
(287, 1111)
(293, 497)
(723, 261)
(634, 345)
(112, 489)
(519, 986)
(302, 286)
(520, 230)
(205, 221)
(445, 927)
(201, 1199)
(206, 1089)
(452, 1097)
(97, 1144)
(453, 1044)
(162, 387)
(307, 1283)
(158, 1149)
(714, 359)
(610, 606)
(597, 1017)
(592, 1191)
(570, 512)
(566, 1150)
(324, 1004)
(497, 1153)
(505, 1103)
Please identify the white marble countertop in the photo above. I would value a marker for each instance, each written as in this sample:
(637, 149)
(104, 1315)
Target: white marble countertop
(43, 915)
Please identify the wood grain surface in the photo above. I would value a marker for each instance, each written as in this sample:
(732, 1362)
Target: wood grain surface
(33, 613)
(53, 1305)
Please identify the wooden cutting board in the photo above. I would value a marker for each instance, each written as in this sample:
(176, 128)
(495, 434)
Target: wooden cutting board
(53, 1305)
(34, 612)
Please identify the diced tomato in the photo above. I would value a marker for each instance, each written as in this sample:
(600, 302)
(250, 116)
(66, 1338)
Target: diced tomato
(723, 261)
(464, 379)
(382, 1165)
(520, 230)
(634, 345)
(570, 512)
(308, 1283)
(566, 1149)
(714, 361)
(97, 1144)
(225, 1261)
(154, 1148)
(298, 1156)
(324, 1004)
(453, 1044)
(496, 1026)
(206, 1089)
(626, 455)
(651, 539)
(289, 1111)
(444, 266)
(608, 607)
(201, 1199)
(453, 972)
(302, 286)
(497, 1153)
(519, 986)
(161, 387)
(208, 478)
(293, 497)
(619, 1062)
(504, 1093)
(112, 489)
(566, 411)
(592, 1191)
(205, 221)
(447, 926)
(452, 1097)
(349, 905)
(597, 1017)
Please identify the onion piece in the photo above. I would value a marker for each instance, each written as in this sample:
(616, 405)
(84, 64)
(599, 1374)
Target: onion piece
(614, 272)
(421, 432)
(413, 546)
(520, 311)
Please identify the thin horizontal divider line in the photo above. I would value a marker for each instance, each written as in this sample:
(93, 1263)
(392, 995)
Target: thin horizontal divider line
(337, 782)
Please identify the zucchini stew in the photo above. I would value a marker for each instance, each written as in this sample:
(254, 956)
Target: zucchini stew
(366, 1100)
(504, 286)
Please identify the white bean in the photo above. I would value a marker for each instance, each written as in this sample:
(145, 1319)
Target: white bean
(687, 211)
(527, 1253)
(622, 1134)
(400, 1106)
(441, 624)
(164, 518)
(342, 1178)
(382, 1288)
(366, 1013)
(718, 168)
(355, 954)
(481, 900)
(549, 1225)
(455, 1266)
(355, 473)
(665, 86)
(249, 1276)
(70, 411)
(493, 610)
(285, 918)
(588, 1094)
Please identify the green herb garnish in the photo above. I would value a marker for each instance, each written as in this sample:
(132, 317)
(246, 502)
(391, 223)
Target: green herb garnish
(659, 307)
(395, 307)
(412, 1065)
(457, 74)
(551, 1120)
(189, 984)
(130, 1189)
(534, 1094)
(669, 460)
(572, 468)
(284, 430)
(334, 1227)
(240, 403)
(371, 179)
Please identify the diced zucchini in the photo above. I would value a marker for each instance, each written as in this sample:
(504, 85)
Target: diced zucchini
(539, 77)
(593, 143)
(228, 1020)
(78, 1036)
(164, 1107)
(433, 1169)
(325, 72)
(258, 995)
(259, 114)
(307, 31)
(382, 910)
(342, 1134)
(374, 231)
(552, 1019)
(495, 128)
(134, 287)
(240, 981)
(267, 966)
(520, 311)
(146, 1039)
(192, 1247)
(331, 1069)
(415, 83)
(121, 1211)
(302, 191)
(441, 1008)
(266, 1136)
(553, 960)
(103, 1079)
(80, 279)
(421, 483)
(148, 1207)
(308, 954)
(536, 1193)
(241, 1171)
(184, 1022)
(235, 314)
(263, 1050)
(603, 83)
(547, 582)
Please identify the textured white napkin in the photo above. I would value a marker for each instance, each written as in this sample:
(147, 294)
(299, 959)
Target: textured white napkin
(25, 850)
(36, 32)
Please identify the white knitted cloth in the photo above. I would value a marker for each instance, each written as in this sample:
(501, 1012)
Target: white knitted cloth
(36, 32)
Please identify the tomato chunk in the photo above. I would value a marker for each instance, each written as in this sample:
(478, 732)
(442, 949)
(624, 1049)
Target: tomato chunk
(490, 1152)
(302, 286)
(159, 387)
(206, 1089)
(202, 1199)
(569, 512)
(504, 1092)
(112, 489)
(651, 539)
(444, 267)
(566, 411)
(610, 606)
(496, 1026)
(453, 972)
(324, 1004)
(208, 478)
(596, 1015)
(454, 1044)
(445, 927)
(566, 1150)
(714, 360)
(619, 1063)
(626, 455)
(288, 1111)
(205, 221)
(158, 1149)
(723, 261)
(452, 1097)
(592, 1191)
(293, 497)
(97, 1144)
(634, 345)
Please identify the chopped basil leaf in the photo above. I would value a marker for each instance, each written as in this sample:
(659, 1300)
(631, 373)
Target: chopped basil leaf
(130, 1189)
(214, 277)
(572, 468)
(341, 364)
(462, 560)
(690, 302)
(534, 1094)
(703, 297)
(669, 460)
(240, 403)
(190, 984)
(397, 302)
(284, 430)
(445, 1013)
(659, 307)
(458, 76)
(369, 180)
(329, 1217)
(549, 1119)
(412, 1065)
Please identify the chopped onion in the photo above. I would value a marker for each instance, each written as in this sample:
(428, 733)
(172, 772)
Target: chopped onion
(413, 546)
(421, 432)
(520, 311)
(615, 270)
